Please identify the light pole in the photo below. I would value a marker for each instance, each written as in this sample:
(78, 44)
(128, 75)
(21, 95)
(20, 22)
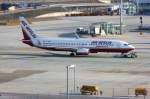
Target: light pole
(121, 20)
(74, 82)
(137, 4)
(70, 67)
(67, 85)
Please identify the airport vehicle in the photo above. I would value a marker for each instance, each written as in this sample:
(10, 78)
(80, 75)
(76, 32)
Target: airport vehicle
(140, 91)
(89, 90)
(81, 30)
(76, 46)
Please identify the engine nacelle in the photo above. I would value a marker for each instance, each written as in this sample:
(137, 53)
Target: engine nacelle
(82, 51)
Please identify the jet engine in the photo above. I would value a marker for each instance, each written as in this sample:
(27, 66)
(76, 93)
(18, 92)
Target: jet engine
(82, 51)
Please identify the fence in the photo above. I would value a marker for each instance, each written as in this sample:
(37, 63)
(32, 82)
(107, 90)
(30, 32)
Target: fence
(123, 93)
(108, 93)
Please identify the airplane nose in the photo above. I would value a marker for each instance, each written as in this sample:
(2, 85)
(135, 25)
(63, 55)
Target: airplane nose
(131, 46)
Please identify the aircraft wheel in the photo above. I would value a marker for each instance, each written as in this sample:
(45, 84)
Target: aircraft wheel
(130, 55)
(124, 55)
(72, 54)
(133, 55)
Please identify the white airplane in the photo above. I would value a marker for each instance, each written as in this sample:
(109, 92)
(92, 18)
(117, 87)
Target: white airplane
(76, 46)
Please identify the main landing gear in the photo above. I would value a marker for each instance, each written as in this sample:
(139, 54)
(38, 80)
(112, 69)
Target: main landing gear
(72, 54)
(129, 55)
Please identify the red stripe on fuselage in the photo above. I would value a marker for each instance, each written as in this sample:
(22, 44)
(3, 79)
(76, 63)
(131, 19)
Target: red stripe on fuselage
(115, 50)
(29, 42)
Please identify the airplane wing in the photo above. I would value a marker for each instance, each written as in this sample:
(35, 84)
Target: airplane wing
(77, 36)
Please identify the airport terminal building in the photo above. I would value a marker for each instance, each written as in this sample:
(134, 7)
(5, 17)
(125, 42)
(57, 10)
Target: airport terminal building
(143, 6)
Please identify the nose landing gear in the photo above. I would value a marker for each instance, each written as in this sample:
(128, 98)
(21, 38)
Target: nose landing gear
(129, 55)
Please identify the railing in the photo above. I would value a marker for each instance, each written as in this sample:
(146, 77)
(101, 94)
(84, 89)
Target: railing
(107, 93)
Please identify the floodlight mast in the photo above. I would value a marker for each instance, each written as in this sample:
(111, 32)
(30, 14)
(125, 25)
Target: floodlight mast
(121, 19)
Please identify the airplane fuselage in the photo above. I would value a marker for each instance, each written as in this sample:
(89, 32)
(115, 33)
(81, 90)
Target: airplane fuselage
(83, 45)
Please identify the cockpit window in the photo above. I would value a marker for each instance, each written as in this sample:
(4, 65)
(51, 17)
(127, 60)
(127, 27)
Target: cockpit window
(125, 44)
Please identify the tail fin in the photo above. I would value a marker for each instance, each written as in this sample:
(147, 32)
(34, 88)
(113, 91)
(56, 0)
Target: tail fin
(28, 33)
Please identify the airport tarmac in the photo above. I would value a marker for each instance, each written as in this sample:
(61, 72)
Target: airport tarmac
(24, 69)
